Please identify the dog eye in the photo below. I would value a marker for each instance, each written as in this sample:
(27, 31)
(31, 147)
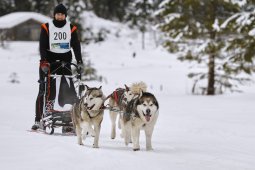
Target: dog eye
(91, 98)
(144, 104)
(151, 104)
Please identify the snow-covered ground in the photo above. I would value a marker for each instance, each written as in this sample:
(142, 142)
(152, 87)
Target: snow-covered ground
(192, 132)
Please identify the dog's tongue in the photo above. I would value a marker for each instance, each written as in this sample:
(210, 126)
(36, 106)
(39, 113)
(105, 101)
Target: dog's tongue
(147, 117)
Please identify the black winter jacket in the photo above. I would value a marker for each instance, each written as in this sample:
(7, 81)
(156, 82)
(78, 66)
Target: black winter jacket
(51, 56)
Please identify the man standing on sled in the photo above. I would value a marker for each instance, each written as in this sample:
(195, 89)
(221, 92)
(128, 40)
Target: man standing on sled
(56, 40)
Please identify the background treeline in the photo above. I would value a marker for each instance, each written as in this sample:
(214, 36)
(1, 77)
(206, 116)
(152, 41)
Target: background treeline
(137, 13)
(118, 10)
(134, 12)
(215, 36)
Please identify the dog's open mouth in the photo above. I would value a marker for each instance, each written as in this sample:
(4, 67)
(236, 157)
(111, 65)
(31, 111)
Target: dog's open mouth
(91, 107)
(147, 117)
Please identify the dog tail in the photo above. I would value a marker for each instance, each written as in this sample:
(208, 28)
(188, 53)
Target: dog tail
(136, 88)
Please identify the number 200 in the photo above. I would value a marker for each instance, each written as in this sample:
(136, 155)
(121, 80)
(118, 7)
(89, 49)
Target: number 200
(59, 35)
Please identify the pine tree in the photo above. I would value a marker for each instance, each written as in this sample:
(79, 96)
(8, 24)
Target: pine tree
(24, 5)
(44, 7)
(140, 15)
(109, 9)
(88, 4)
(241, 47)
(193, 28)
(6, 6)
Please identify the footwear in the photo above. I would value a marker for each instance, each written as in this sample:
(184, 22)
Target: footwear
(36, 126)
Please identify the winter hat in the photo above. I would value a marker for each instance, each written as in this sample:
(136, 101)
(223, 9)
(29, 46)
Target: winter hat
(60, 8)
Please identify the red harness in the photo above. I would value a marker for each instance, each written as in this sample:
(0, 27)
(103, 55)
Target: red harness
(115, 96)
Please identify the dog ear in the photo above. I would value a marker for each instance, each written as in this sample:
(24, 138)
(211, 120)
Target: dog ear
(127, 88)
(141, 93)
(86, 87)
(138, 95)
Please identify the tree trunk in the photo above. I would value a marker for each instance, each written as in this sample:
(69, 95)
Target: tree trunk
(155, 38)
(211, 64)
(211, 75)
(143, 41)
(211, 67)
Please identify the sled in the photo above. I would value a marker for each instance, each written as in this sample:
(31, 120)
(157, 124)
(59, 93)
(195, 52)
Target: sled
(52, 119)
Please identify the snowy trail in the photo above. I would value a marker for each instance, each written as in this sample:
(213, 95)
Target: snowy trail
(192, 132)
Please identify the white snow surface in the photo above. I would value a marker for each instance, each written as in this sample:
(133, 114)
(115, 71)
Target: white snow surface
(96, 24)
(192, 132)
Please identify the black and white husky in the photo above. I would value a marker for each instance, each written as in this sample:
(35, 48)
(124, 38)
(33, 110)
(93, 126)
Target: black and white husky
(141, 114)
(88, 112)
(119, 100)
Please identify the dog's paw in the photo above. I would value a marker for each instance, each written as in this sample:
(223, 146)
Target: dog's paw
(95, 146)
(79, 142)
(149, 149)
(136, 149)
(113, 136)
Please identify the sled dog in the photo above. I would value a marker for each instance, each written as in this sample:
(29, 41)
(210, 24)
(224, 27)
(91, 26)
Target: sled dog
(141, 114)
(88, 112)
(119, 100)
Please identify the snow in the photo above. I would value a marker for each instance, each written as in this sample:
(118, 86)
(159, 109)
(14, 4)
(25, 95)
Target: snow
(251, 32)
(192, 132)
(239, 2)
(15, 18)
(170, 17)
(164, 2)
(242, 19)
(96, 24)
(216, 25)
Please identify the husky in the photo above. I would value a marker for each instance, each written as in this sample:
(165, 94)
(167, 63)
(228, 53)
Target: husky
(88, 112)
(119, 100)
(141, 114)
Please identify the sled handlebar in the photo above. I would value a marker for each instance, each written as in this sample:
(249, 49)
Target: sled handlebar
(65, 64)
(67, 76)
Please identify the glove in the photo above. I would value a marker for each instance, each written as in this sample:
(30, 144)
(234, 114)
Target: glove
(80, 69)
(45, 66)
(80, 66)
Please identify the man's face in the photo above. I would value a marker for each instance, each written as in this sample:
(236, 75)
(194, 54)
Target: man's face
(60, 16)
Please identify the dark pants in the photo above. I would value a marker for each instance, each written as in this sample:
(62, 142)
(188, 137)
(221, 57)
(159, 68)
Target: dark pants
(67, 94)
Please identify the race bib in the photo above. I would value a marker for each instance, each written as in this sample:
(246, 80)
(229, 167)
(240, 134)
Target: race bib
(59, 38)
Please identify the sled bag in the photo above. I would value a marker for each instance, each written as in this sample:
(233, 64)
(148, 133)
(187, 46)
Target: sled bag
(67, 94)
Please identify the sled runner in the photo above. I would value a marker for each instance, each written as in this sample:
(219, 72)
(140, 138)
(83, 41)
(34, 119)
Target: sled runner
(52, 118)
